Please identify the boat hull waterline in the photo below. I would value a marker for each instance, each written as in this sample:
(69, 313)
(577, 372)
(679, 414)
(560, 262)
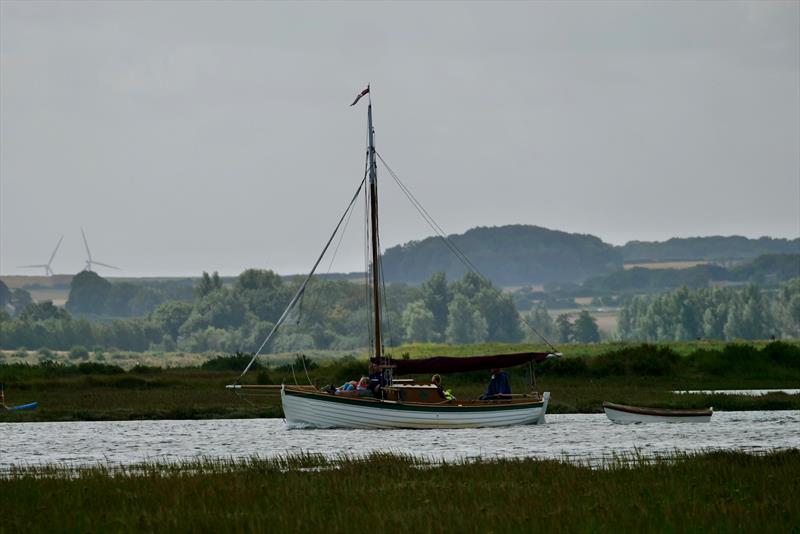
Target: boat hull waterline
(320, 410)
(622, 414)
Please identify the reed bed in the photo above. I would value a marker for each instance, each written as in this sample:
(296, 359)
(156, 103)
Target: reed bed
(714, 491)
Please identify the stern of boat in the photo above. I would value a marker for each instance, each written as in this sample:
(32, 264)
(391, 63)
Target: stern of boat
(546, 400)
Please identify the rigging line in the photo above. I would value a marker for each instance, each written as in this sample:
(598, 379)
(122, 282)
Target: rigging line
(302, 287)
(318, 297)
(408, 191)
(303, 359)
(430, 220)
(450, 245)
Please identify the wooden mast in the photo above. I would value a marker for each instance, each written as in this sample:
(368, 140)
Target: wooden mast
(373, 208)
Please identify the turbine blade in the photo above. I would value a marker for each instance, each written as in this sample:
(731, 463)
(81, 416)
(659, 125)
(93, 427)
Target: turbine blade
(105, 265)
(86, 244)
(30, 266)
(53, 255)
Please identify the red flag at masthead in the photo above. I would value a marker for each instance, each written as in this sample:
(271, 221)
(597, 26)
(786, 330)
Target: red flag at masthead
(362, 93)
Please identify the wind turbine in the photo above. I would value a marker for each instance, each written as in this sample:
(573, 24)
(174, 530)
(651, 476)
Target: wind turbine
(89, 260)
(47, 270)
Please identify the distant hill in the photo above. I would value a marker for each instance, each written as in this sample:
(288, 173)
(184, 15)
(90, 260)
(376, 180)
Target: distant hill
(707, 248)
(508, 255)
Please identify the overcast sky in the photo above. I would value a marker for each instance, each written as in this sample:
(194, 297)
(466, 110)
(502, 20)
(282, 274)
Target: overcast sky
(192, 136)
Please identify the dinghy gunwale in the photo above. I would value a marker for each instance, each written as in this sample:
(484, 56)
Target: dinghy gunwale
(658, 412)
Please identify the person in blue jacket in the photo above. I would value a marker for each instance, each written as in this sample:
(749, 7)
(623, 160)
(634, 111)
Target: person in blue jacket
(499, 386)
(376, 380)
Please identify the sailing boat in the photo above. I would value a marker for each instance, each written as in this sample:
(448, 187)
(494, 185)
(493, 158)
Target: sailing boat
(401, 403)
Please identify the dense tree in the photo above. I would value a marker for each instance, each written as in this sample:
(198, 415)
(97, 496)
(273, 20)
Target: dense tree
(88, 293)
(718, 313)
(91, 294)
(207, 284)
(497, 308)
(264, 292)
(465, 322)
(539, 320)
(20, 299)
(436, 298)
(170, 316)
(418, 322)
(253, 279)
(5, 296)
(501, 315)
(564, 328)
(787, 308)
(221, 308)
(585, 328)
(118, 299)
(42, 311)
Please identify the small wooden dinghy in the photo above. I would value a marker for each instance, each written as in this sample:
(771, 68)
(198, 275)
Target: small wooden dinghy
(619, 413)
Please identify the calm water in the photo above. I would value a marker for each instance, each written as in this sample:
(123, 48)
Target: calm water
(586, 437)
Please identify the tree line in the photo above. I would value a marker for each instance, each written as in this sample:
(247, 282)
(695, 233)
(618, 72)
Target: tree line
(713, 313)
(332, 314)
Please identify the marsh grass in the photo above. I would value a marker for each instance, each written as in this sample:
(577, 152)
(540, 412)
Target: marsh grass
(709, 492)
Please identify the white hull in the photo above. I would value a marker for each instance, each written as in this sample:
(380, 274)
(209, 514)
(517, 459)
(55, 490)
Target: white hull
(619, 416)
(322, 411)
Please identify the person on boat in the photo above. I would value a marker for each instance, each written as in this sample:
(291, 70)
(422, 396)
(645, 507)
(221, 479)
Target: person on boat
(436, 380)
(499, 387)
(355, 389)
(362, 388)
(348, 387)
(376, 380)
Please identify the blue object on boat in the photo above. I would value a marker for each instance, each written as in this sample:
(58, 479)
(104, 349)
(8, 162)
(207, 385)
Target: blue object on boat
(31, 406)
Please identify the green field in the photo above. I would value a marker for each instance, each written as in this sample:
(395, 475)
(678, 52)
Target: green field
(713, 492)
(579, 382)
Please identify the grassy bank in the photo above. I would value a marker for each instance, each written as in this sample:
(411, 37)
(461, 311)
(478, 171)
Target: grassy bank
(714, 492)
(586, 376)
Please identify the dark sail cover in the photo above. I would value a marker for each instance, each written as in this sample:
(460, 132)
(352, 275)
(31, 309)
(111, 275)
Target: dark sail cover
(457, 364)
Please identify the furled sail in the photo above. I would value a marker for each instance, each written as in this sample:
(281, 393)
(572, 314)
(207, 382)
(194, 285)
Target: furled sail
(450, 364)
